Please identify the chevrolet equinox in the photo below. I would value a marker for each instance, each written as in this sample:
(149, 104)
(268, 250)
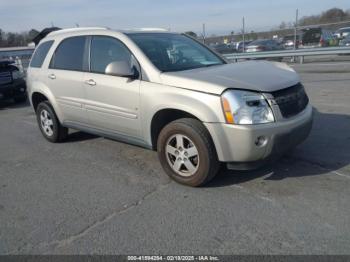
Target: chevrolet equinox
(167, 92)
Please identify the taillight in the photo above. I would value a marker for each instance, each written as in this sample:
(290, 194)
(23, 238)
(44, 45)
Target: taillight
(321, 41)
(260, 48)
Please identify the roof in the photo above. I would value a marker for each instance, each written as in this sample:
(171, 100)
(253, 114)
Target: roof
(343, 28)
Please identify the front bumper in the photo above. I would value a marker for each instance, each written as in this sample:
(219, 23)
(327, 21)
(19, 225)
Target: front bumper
(237, 145)
(14, 89)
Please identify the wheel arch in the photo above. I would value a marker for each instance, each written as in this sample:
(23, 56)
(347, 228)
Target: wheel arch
(40, 95)
(163, 117)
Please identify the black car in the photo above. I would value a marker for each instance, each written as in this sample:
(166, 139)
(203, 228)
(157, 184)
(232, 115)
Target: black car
(12, 83)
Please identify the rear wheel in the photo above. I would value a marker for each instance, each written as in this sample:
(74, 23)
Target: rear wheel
(187, 153)
(49, 124)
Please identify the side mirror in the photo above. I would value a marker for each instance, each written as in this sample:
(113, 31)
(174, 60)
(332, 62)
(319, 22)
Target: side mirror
(122, 69)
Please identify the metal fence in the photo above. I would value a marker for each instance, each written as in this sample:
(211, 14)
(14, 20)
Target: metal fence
(301, 53)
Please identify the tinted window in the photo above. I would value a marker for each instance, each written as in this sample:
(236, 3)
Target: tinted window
(40, 54)
(174, 52)
(312, 35)
(69, 55)
(105, 50)
(288, 37)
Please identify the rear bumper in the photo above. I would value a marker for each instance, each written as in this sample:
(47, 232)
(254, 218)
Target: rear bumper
(14, 89)
(237, 144)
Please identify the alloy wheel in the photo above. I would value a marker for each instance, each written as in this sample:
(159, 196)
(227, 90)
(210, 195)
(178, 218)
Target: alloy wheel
(182, 155)
(46, 122)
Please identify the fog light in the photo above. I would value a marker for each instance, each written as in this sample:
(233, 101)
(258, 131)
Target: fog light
(261, 141)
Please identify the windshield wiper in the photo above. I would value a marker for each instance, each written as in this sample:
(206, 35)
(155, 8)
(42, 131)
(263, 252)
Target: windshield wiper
(190, 68)
(212, 64)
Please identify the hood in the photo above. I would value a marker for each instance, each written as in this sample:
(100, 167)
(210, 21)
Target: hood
(261, 76)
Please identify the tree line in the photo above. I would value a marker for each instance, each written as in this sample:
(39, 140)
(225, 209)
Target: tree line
(10, 39)
(332, 15)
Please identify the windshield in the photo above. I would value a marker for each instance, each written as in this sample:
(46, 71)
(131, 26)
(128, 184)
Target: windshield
(174, 52)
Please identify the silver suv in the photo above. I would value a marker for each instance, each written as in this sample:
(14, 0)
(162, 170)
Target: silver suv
(167, 92)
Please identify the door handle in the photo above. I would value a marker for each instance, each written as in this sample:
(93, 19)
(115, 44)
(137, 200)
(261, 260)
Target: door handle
(90, 82)
(52, 76)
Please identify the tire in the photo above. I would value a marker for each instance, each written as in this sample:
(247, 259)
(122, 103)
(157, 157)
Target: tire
(57, 133)
(179, 160)
(20, 99)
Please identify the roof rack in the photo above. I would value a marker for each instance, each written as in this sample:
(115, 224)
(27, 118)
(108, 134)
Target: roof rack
(149, 29)
(76, 29)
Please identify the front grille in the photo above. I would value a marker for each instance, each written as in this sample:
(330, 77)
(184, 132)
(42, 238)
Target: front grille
(291, 100)
(5, 78)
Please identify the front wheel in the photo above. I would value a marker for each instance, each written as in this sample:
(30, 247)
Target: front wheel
(187, 152)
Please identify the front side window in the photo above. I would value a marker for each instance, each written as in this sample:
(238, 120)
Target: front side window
(105, 50)
(40, 54)
(69, 55)
(175, 52)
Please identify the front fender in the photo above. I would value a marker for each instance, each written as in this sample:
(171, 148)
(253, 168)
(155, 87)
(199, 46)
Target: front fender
(155, 97)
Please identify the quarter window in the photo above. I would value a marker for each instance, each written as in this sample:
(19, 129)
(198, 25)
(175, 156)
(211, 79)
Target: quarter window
(40, 54)
(69, 55)
(105, 50)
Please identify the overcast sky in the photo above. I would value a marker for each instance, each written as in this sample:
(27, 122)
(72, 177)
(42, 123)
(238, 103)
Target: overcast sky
(220, 16)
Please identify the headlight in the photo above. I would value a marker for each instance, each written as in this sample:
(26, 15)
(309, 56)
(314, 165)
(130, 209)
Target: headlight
(246, 108)
(16, 75)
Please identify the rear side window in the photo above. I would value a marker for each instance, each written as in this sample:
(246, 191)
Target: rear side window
(69, 55)
(40, 54)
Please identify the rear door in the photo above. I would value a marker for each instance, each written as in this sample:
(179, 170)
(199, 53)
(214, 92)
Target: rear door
(112, 102)
(65, 78)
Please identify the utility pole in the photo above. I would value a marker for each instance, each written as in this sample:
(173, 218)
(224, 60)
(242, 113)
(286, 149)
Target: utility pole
(203, 33)
(296, 28)
(243, 32)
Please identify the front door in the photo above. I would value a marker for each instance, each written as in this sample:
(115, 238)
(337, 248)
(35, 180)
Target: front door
(112, 102)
